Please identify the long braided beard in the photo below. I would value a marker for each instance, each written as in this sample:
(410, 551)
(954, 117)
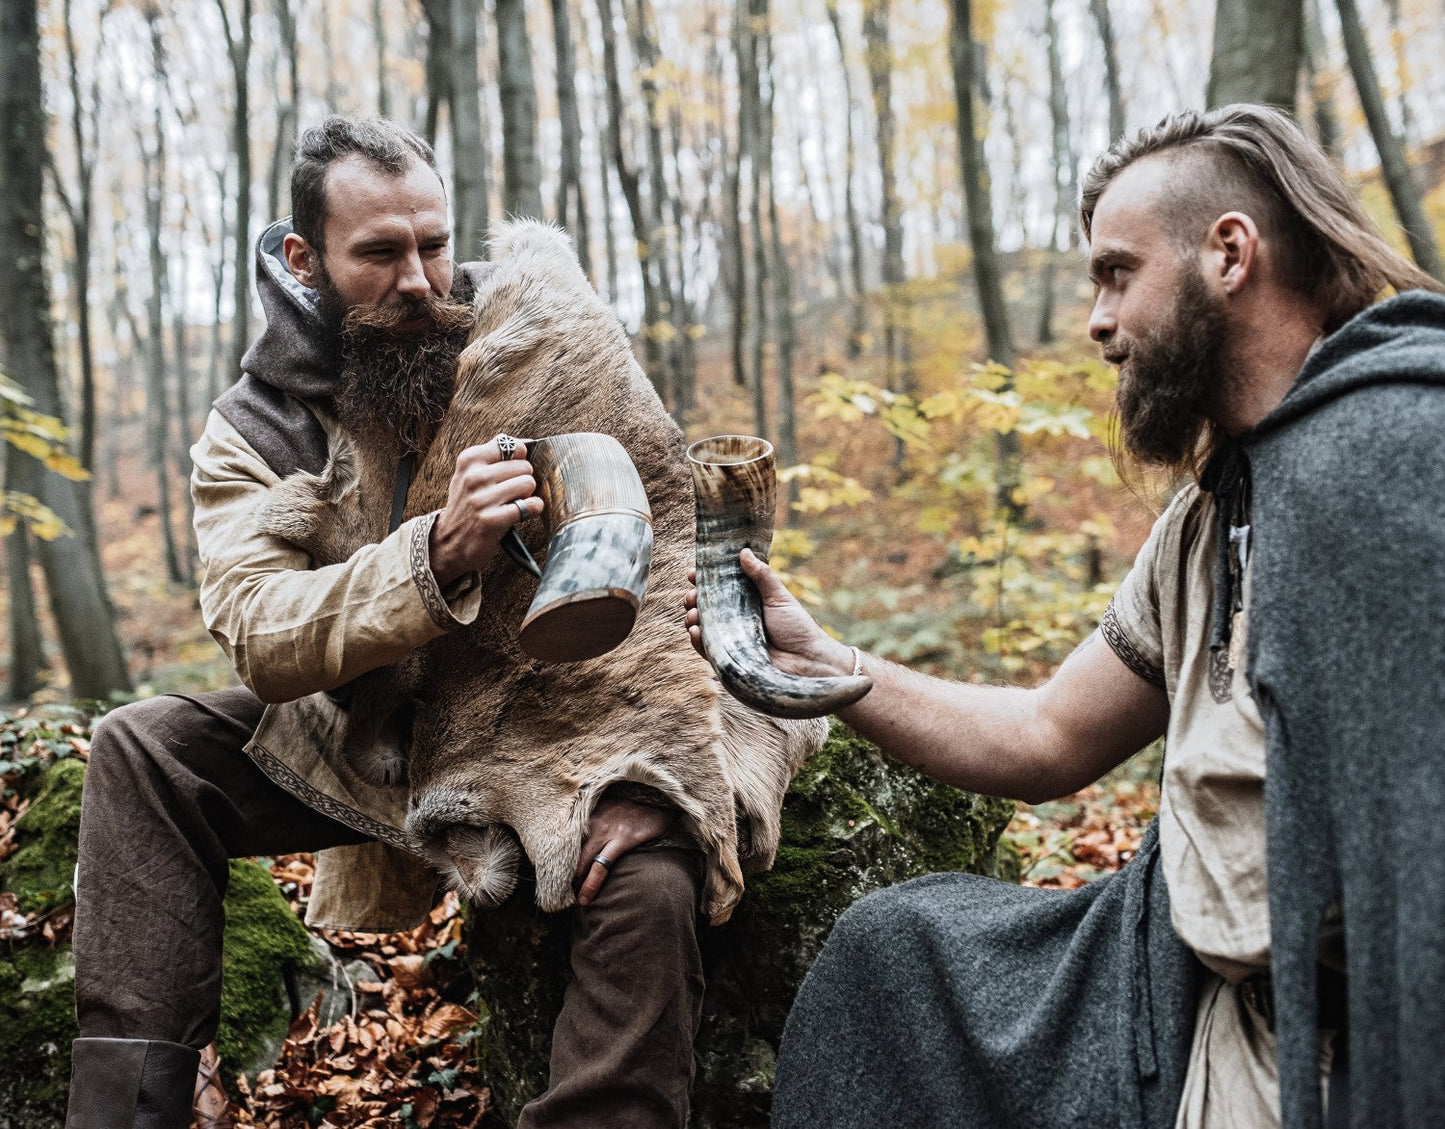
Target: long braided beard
(394, 387)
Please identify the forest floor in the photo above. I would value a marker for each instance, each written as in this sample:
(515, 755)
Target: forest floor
(397, 1062)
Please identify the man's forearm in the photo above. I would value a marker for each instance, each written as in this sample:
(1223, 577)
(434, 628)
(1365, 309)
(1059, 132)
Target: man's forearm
(1026, 744)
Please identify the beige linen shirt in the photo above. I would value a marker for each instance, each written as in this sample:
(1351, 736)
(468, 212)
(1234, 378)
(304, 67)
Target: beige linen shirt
(1211, 809)
(294, 631)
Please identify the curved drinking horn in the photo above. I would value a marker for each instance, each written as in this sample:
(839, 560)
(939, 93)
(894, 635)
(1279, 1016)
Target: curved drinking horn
(736, 489)
(599, 548)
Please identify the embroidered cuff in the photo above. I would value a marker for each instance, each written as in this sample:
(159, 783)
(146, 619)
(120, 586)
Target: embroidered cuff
(438, 601)
(1129, 654)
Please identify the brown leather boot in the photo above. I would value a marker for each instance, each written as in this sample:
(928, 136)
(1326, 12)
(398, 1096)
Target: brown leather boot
(131, 1084)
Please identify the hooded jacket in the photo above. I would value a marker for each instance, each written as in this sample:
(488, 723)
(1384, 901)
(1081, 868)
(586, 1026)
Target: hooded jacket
(291, 629)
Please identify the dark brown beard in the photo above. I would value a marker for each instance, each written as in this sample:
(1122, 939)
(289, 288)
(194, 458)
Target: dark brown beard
(394, 387)
(1171, 378)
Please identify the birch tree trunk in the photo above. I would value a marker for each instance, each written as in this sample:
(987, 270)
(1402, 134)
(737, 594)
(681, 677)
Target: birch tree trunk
(378, 25)
(1404, 190)
(1258, 47)
(521, 165)
(83, 615)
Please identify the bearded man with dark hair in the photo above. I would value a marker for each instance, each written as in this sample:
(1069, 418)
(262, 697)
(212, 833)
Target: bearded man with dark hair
(365, 317)
(1277, 939)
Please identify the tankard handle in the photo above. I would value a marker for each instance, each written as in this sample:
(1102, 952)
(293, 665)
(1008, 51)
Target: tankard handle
(511, 542)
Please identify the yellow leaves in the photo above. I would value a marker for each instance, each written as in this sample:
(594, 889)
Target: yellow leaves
(822, 489)
(41, 436)
(41, 520)
(937, 519)
(793, 544)
(1027, 492)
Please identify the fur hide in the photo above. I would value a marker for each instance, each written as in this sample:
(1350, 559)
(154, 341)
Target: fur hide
(504, 749)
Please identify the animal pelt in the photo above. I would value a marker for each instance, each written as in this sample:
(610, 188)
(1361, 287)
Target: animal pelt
(500, 744)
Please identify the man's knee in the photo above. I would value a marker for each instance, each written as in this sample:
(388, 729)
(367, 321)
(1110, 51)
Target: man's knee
(128, 737)
(662, 883)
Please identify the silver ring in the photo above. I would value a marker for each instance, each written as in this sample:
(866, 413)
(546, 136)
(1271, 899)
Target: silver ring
(604, 860)
(521, 509)
(507, 446)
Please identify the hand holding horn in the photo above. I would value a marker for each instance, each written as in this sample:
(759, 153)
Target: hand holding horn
(736, 490)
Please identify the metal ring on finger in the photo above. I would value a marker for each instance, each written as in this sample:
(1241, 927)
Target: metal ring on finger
(522, 511)
(604, 860)
(507, 446)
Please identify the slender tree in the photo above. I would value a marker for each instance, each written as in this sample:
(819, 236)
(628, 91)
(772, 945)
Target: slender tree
(439, 63)
(880, 77)
(521, 163)
(71, 565)
(238, 34)
(27, 652)
(1105, 27)
(469, 155)
(571, 200)
(1404, 190)
(858, 318)
(286, 108)
(1258, 48)
(1066, 176)
(378, 27)
(158, 414)
(967, 61)
(1320, 81)
(631, 183)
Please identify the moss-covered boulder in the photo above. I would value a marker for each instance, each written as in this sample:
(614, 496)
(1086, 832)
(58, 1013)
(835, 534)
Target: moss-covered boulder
(264, 942)
(854, 821)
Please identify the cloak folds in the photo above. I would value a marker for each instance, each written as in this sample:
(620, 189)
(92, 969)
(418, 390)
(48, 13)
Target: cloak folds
(954, 1000)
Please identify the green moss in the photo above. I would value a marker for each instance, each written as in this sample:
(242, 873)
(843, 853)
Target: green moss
(263, 939)
(41, 870)
(37, 1024)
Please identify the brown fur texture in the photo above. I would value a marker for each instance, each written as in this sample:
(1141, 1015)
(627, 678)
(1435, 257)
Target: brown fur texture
(501, 742)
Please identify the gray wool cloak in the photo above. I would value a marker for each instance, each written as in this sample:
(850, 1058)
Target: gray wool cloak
(960, 1001)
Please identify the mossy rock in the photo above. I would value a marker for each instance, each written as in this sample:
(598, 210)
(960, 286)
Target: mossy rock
(41, 870)
(854, 821)
(264, 941)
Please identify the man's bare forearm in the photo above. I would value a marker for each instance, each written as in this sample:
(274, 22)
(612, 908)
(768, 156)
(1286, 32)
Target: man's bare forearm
(1029, 744)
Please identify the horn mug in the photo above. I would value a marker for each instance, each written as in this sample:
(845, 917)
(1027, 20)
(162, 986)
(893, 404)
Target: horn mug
(735, 484)
(599, 547)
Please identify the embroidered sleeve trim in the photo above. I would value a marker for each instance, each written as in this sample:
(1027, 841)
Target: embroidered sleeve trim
(1128, 653)
(313, 797)
(425, 580)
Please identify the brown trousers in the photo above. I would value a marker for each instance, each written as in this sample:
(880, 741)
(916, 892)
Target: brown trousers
(170, 797)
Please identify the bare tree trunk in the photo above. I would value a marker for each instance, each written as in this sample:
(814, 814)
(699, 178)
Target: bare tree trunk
(218, 296)
(439, 63)
(1066, 178)
(157, 408)
(571, 200)
(378, 24)
(1100, 9)
(750, 149)
(858, 319)
(660, 251)
(80, 210)
(185, 432)
(784, 335)
(82, 610)
(967, 62)
(734, 252)
(328, 55)
(1408, 130)
(27, 652)
(684, 313)
(469, 157)
(238, 49)
(632, 193)
(880, 75)
(1404, 190)
(1320, 82)
(1257, 52)
(521, 164)
(285, 146)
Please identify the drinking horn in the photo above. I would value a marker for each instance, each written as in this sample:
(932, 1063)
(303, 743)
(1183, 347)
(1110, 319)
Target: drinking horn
(599, 548)
(736, 489)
